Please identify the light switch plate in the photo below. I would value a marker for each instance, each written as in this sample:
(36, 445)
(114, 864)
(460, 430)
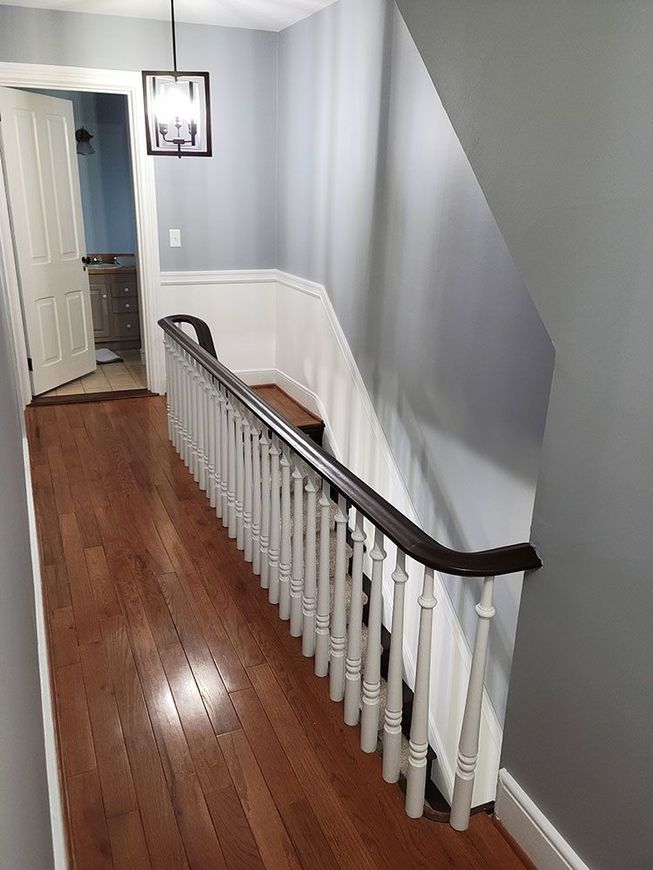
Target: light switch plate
(175, 238)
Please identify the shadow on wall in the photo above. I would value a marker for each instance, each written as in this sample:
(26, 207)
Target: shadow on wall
(378, 202)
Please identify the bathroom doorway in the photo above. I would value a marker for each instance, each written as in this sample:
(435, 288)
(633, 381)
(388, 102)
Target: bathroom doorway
(74, 232)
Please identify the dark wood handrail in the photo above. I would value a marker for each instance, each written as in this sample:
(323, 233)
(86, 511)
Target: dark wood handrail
(412, 540)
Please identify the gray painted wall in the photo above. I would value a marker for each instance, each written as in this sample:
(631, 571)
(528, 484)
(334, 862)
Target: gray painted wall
(224, 205)
(552, 104)
(377, 201)
(105, 176)
(25, 833)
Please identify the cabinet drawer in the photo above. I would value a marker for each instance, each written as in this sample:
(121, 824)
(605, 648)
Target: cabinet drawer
(126, 325)
(128, 305)
(124, 288)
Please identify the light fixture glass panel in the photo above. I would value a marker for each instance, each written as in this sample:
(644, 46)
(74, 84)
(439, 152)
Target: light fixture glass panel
(177, 113)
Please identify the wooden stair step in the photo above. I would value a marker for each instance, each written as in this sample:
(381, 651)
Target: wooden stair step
(291, 410)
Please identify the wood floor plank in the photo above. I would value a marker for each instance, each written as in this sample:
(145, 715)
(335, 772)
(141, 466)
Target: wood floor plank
(197, 831)
(102, 585)
(212, 689)
(159, 821)
(273, 842)
(128, 842)
(86, 621)
(233, 830)
(91, 846)
(341, 833)
(110, 752)
(63, 637)
(76, 736)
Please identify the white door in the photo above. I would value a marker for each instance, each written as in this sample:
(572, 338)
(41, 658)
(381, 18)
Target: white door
(42, 179)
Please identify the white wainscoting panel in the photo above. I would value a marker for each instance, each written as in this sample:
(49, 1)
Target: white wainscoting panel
(240, 308)
(269, 326)
(536, 835)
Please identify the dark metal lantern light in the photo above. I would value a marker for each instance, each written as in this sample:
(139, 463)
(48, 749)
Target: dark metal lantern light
(177, 109)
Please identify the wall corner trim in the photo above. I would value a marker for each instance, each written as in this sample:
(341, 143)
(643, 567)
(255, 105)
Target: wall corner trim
(536, 835)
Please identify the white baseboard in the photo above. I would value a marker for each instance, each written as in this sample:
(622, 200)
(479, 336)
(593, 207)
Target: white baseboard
(536, 835)
(55, 796)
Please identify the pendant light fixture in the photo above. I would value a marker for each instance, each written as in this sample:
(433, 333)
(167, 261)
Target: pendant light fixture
(177, 108)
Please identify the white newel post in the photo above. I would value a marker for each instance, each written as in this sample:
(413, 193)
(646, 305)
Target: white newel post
(297, 571)
(309, 597)
(323, 586)
(339, 616)
(394, 700)
(372, 672)
(354, 634)
(469, 735)
(265, 510)
(249, 494)
(286, 545)
(418, 744)
(256, 501)
(275, 520)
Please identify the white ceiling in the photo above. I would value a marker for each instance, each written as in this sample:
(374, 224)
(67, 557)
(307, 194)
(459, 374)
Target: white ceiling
(257, 14)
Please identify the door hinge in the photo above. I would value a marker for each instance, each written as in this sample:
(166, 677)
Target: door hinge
(29, 364)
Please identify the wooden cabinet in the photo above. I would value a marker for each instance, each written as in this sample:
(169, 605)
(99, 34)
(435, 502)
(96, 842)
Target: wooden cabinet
(114, 303)
(101, 312)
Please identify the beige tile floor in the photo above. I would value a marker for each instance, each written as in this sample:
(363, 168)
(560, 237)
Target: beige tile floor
(127, 375)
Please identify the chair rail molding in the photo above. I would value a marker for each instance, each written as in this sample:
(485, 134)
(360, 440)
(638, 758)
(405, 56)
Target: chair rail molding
(128, 83)
(532, 830)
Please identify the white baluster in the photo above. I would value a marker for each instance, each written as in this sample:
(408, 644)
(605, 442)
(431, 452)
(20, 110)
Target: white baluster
(201, 432)
(297, 575)
(339, 617)
(169, 399)
(309, 596)
(285, 550)
(224, 458)
(353, 662)
(323, 586)
(265, 510)
(172, 388)
(216, 438)
(372, 672)
(231, 484)
(249, 494)
(256, 501)
(195, 414)
(419, 727)
(275, 521)
(240, 478)
(394, 699)
(469, 735)
(211, 415)
(187, 449)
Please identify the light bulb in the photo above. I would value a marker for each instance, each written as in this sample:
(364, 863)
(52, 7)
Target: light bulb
(174, 105)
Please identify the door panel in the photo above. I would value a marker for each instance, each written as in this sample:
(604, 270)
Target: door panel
(42, 179)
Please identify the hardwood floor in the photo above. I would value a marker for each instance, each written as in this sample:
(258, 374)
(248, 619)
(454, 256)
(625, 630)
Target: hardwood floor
(191, 731)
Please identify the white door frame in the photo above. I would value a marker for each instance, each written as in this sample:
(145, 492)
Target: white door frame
(129, 83)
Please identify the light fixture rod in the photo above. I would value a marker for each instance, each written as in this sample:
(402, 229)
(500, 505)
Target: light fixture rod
(174, 35)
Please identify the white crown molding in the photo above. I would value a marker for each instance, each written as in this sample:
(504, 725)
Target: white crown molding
(536, 835)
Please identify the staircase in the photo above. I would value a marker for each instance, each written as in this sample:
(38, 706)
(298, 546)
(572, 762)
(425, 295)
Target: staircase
(313, 531)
